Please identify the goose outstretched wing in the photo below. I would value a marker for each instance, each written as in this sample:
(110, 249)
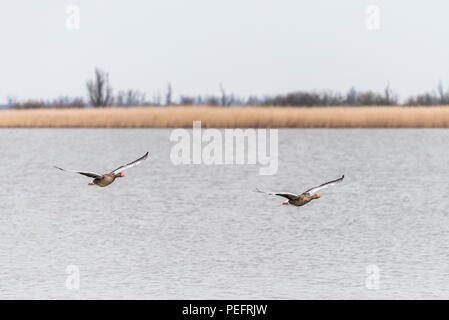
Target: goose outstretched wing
(84, 173)
(131, 164)
(287, 195)
(324, 185)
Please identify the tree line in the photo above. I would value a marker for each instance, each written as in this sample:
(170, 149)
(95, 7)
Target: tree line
(100, 94)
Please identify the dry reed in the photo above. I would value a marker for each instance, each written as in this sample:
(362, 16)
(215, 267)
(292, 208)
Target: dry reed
(232, 117)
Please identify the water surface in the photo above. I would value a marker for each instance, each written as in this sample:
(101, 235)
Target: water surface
(199, 232)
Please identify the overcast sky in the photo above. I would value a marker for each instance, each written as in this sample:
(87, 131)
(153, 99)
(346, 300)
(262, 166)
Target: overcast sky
(252, 46)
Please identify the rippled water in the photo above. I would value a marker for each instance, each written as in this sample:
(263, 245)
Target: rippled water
(197, 231)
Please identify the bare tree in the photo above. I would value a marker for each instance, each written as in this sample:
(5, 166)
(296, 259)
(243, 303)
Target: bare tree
(387, 94)
(444, 96)
(169, 94)
(130, 98)
(12, 100)
(99, 90)
(156, 98)
(441, 91)
(186, 100)
(390, 96)
(211, 101)
(223, 95)
(351, 97)
(66, 102)
(29, 104)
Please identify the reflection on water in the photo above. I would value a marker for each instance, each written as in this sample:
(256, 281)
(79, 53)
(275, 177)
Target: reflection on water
(199, 231)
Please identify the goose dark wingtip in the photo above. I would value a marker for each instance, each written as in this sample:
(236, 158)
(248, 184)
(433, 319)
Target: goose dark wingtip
(145, 156)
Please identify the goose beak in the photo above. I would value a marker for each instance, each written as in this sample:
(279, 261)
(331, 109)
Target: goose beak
(318, 196)
(91, 184)
(122, 174)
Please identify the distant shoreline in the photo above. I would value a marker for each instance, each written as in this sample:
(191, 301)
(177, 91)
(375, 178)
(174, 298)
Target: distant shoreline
(229, 117)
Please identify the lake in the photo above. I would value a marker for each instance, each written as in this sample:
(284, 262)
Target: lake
(168, 231)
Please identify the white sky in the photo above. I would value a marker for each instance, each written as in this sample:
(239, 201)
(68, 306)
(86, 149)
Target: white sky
(252, 46)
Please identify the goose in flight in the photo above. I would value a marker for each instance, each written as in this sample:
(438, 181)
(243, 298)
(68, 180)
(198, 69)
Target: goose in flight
(305, 197)
(103, 180)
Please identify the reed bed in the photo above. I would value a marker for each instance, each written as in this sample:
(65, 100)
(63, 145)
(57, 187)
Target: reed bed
(229, 117)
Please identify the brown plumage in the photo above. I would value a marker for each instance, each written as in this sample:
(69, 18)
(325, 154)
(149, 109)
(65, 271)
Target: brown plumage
(106, 179)
(305, 197)
(103, 180)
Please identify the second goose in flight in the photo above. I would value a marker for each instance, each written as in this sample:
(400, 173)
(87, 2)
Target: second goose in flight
(103, 180)
(305, 197)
